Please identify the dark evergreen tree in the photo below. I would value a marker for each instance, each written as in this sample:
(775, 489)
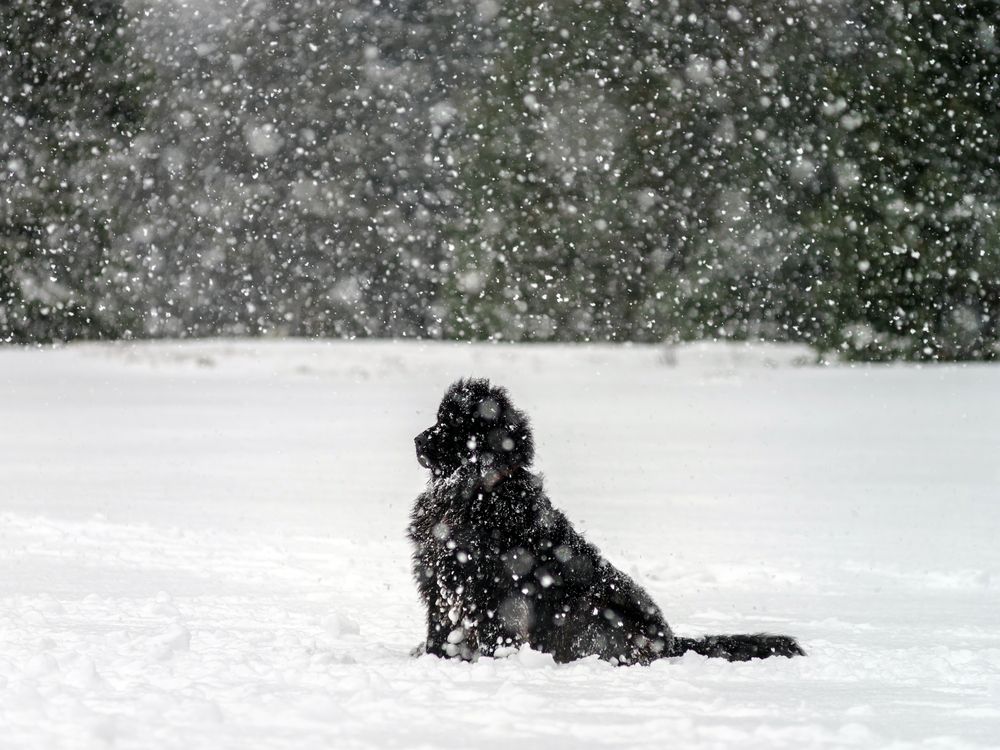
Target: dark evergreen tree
(69, 92)
(301, 153)
(909, 225)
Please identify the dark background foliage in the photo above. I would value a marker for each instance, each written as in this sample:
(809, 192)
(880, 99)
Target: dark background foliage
(597, 170)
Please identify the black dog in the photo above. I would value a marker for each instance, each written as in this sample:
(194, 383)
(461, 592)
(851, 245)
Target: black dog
(498, 566)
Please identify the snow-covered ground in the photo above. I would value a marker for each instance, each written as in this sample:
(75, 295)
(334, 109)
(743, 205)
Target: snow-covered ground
(201, 546)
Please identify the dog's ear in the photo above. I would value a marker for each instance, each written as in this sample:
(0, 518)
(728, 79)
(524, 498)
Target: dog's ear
(508, 440)
(522, 453)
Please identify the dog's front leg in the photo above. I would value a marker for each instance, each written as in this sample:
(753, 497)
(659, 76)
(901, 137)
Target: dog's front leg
(438, 628)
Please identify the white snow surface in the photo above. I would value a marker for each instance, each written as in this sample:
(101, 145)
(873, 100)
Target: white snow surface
(202, 546)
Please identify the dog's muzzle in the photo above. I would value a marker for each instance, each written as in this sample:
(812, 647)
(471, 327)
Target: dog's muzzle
(420, 442)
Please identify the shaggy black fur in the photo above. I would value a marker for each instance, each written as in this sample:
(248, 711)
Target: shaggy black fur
(498, 566)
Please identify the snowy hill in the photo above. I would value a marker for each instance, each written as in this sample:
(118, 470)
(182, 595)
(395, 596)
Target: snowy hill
(203, 546)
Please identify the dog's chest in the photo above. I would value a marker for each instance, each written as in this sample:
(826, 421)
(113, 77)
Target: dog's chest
(449, 554)
(452, 557)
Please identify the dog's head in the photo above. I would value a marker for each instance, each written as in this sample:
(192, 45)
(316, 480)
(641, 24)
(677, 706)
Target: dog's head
(476, 423)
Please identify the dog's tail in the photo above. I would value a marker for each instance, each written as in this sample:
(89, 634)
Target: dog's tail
(739, 647)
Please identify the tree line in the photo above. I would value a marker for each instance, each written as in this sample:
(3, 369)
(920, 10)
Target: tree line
(587, 170)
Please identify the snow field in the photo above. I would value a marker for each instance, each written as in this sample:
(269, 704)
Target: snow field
(203, 547)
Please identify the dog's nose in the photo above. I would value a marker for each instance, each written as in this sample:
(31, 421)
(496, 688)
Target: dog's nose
(421, 441)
